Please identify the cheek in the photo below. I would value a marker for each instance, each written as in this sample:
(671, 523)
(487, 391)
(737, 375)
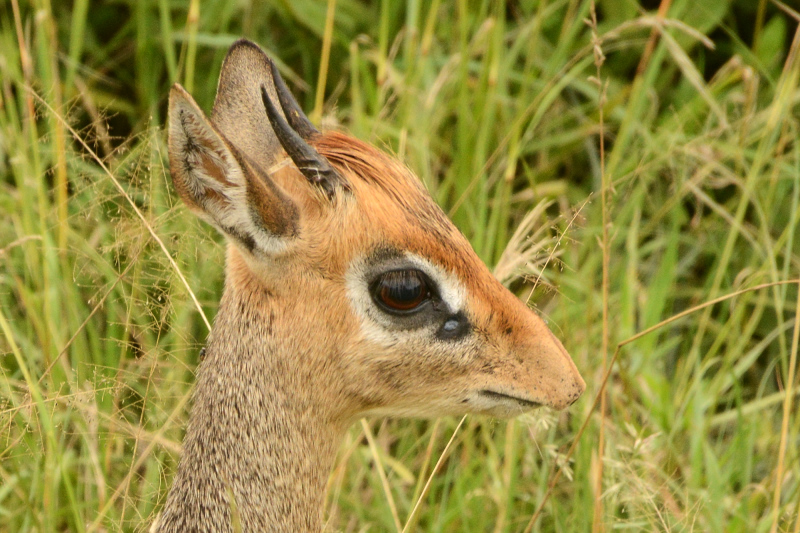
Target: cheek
(408, 373)
(416, 363)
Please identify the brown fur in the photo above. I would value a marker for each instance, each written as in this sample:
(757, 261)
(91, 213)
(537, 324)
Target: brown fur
(292, 361)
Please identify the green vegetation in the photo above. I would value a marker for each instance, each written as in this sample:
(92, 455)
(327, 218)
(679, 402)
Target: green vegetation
(499, 107)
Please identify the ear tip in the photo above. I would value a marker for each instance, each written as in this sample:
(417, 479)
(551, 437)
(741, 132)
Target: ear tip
(180, 101)
(245, 47)
(244, 43)
(177, 93)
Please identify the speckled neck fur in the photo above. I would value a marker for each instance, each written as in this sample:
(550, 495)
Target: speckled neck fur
(257, 451)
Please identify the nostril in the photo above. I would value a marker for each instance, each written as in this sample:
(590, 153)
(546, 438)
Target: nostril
(574, 398)
(577, 391)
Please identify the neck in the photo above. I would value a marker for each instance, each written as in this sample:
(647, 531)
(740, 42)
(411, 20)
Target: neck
(257, 452)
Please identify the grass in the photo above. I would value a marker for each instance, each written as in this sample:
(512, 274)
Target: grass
(106, 277)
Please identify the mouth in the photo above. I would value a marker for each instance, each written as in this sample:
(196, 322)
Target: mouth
(499, 396)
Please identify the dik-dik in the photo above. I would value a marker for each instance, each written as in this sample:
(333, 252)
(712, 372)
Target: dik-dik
(348, 293)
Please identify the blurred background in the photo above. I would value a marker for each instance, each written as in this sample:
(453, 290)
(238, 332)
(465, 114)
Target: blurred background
(500, 108)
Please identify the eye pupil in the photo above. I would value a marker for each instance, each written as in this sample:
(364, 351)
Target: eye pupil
(402, 290)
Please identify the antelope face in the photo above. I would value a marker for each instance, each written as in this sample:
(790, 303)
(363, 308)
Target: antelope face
(375, 286)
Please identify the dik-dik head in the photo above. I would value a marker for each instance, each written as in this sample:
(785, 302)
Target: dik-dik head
(369, 290)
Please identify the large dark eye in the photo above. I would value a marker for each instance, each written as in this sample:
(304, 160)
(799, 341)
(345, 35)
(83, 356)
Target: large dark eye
(401, 291)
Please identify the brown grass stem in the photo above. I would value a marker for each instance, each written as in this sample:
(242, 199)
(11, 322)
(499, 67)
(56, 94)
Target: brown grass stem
(433, 473)
(373, 448)
(791, 379)
(599, 58)
(319, 98)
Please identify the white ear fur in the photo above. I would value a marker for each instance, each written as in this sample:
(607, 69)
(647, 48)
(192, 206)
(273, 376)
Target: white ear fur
(215, 181)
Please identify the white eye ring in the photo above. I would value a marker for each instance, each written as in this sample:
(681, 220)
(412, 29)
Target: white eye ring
(382, 326)
(451, 290)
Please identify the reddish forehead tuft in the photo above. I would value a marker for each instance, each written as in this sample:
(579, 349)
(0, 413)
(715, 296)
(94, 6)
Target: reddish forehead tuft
(398, 207)
(373, 167)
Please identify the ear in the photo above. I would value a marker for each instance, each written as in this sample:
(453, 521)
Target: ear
(256, 112)
(219, 183)
(238, 110)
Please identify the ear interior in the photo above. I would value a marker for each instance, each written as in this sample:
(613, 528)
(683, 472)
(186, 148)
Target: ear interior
(218, 182)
